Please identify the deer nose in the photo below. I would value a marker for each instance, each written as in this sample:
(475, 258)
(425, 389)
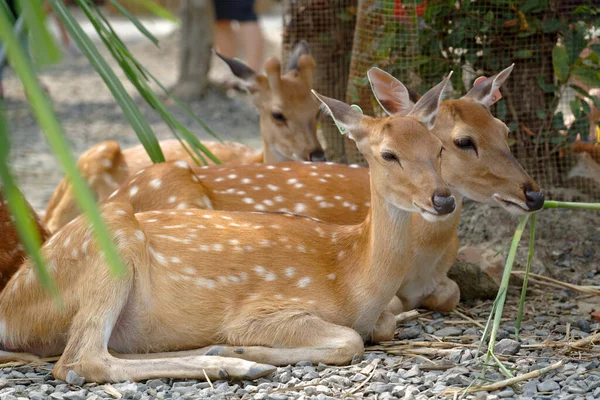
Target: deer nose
(534, 199)
(318, 155)
(443, 203)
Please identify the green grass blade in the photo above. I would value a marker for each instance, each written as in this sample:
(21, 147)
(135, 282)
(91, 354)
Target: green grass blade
(24, 221)
(130, 109)
(42, 109)
(526, 278)
(136, 22)
(501, 298)
(157, 10)
(572, 205)
(43, 46)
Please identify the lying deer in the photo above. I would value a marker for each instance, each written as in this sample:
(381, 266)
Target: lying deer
(12, 253)
(267, 289)
(477, 163)
(288, 121)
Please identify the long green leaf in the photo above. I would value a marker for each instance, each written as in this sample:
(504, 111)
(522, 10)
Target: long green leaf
(560, 62)
(43, 46)
(43, 112)
(157, 10)
(571, 205)
(130, 109)
(135, 21)
(24, 221)
(526, 278)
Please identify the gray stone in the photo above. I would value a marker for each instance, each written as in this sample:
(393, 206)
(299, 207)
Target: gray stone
(449, 331)
(508, 392)
(531, 387)
(278, 396)
(382, 387)
(261, 396)
(285, 377)
(75, 395)
(358, 377)
(323, 389)
(507, 347)
(74, 379)
(583, 325)
(310, 376)
(411, 373)
(456, 379)
(548, 386)
(410, 333)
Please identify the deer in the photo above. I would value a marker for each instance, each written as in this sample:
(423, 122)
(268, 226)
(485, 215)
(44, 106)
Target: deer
(262, 291)
(477, 164)
(12, 253)
(288, 123)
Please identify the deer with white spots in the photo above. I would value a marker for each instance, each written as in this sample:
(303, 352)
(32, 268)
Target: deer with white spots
(477, 163)
(288, 126)
(12, 252)
(231, 294)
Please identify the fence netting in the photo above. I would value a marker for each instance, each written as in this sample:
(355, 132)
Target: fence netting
(550, 101)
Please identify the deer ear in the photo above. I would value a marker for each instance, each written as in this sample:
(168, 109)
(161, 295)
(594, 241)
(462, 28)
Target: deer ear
(390, 93)
(486, 90)
(242, 71)
(347, 118)
(426, 109)
(300, 49)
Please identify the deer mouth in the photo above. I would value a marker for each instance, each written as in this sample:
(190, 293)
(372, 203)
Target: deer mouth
(430, 215)
(512, 205)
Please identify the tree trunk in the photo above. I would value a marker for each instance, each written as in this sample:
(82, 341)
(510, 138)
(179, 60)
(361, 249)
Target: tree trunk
(197, 31)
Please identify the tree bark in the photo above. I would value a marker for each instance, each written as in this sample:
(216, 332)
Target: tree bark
(197, 32)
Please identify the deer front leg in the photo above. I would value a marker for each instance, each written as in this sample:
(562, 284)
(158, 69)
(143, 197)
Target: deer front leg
(385, 328)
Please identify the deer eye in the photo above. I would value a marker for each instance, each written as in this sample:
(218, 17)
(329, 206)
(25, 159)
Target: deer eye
(465, 143)
(389, 156)
(278, 116)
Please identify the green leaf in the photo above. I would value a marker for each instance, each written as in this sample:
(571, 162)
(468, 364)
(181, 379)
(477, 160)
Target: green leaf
(541, 114)
(130, 109)
(575, 109)
(595, 48)
(546, 88)
(24, 221)
(42, 109)
(560, 62)
(586, 107)
(135, 21)
(523, 53)
(156, 9)
(43, 46)
(590, 77)
(585, 94)
(575, 41)
(558, 122)
(534, 5)
(551, 25)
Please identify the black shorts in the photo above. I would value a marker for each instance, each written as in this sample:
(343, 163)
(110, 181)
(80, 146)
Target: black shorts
(235, 10)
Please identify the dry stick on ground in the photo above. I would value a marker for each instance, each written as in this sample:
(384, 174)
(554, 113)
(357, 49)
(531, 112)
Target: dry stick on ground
(547, 281)
(469, 319)
(507, 382)
(407, 316)
(374, 365)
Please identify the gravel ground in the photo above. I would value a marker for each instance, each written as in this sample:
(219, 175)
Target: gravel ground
(431, 351)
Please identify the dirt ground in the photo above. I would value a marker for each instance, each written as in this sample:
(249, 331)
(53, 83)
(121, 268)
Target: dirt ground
(568, 241)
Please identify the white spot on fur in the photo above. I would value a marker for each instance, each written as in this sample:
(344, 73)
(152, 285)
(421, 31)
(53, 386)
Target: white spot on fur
(219, 180)
(172, 199)
(234, 241)
(304, 282)
(195, 178)
(176, 260)
(155, 183)
(268, 202)
(331, 276)
(232, 176)
(259, 176)
(182, 164)
(140, 235)
(272, 187)
(340, 255)
(292, 181)
(279, 199)
(248, 200)
(206, 283)
(217, 247)
(119, 212)
(270, 167)
(290, 271)
(181, 206)
(133, 191)
(300, 207)
(286, 169)
(246, 181)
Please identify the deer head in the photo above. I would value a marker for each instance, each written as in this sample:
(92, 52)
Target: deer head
(477, 161)
(288, 111)
(389, 162)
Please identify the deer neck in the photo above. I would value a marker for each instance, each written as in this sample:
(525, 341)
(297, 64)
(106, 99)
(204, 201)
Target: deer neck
(379, 261)
(268, 153)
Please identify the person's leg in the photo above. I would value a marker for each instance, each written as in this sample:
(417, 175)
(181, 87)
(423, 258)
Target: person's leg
(225, 40)
(251, 33)
(253, 44)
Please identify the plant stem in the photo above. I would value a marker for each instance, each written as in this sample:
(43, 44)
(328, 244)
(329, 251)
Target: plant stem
(571, 205)
(526, 277)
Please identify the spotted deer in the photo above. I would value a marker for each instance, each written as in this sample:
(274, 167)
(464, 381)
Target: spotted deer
(216, 294)
(477, 163)
(12, 252)
(288, 126)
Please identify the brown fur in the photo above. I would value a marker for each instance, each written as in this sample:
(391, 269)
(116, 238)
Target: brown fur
(199, 278)
(12, 253)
